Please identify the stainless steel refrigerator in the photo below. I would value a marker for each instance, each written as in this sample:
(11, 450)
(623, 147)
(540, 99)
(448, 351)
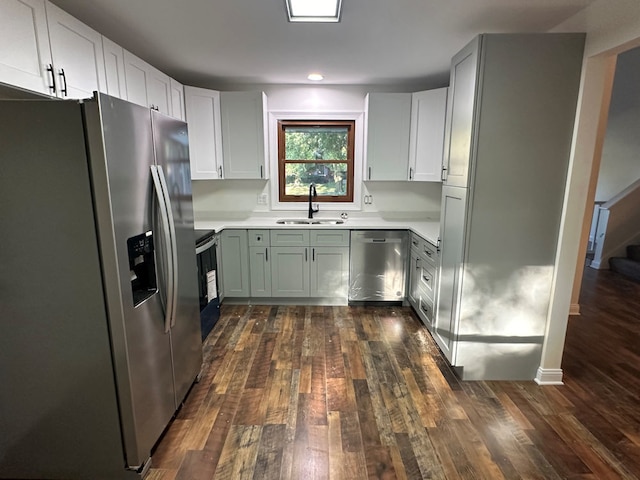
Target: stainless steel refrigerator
(99, 315)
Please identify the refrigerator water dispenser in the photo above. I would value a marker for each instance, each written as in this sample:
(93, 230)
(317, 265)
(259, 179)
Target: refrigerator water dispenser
(142, 267)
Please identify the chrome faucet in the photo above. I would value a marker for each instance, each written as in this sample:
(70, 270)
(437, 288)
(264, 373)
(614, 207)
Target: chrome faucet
(312, 194)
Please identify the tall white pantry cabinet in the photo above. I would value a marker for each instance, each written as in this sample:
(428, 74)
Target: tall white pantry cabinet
(510, 118)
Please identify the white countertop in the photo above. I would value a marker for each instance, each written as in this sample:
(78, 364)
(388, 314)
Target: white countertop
(427, 229)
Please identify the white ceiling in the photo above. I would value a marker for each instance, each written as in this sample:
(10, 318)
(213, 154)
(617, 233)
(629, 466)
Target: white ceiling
(218, 43)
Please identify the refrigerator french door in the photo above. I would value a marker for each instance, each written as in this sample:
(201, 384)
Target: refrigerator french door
(100, 339)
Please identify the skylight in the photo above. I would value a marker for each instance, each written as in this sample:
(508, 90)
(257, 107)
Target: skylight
(313, 10)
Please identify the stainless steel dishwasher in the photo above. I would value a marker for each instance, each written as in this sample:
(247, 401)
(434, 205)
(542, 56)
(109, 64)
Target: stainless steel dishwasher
(378, 265)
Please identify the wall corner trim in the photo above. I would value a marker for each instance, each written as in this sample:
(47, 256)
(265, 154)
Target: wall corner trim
(574, 309)
(549, 376)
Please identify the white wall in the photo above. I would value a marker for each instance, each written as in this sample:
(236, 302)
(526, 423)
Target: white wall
(620, 163)
(239, 198)
(611, 27)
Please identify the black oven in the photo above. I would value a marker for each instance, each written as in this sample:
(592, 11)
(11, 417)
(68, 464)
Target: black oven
(207, 280)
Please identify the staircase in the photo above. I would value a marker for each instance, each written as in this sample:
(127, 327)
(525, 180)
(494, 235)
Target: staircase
(628, 266)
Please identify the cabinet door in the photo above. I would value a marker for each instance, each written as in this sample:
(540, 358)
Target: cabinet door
(260, 271)
(177, 100)
(460, 115)
(24, 45)
(136, 73)
(387, 118)
(329, 272)
(243, 134)
(414, 275)
(116, 85)
(159, 90)
(452, 230)
(205, 138)
(235, 264)
(290, 271)
(426, 143)
(77, 55)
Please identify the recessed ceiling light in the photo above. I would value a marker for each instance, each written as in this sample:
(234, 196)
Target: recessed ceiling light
(313, 10)
(315, 77)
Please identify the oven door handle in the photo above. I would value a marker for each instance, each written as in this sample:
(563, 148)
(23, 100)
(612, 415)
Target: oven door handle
(205, 246)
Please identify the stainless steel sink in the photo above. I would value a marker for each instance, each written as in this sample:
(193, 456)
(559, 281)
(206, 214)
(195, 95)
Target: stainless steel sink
(292, 222)
(309, 221)
(326, 222)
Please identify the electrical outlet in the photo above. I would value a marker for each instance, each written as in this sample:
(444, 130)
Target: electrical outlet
(262, 199)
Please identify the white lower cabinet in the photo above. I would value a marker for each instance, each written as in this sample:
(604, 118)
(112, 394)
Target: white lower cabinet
(294, 263)
(423, 276)
(290, 271)
(329, 272)
(260, 260)
(235, 263)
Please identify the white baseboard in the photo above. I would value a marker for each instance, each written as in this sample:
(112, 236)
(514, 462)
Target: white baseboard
(549, 376)
(574, 309)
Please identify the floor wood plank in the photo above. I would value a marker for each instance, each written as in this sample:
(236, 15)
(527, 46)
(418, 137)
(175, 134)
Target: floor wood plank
(297, 392)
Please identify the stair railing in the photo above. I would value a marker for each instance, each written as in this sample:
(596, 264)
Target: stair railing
(618, 225)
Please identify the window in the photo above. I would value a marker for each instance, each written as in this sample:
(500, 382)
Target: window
(319, 153)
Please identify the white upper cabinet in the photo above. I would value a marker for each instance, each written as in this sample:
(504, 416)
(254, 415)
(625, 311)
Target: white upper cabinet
(177, 100)
(159, 91)
(460, 116)
(244, 138)
(76, 51)
(426, 141)
(116, 85)
(387, 119)
(205, 138)
(24, 45)
(146, 85)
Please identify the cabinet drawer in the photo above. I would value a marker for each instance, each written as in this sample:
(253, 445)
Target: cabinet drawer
(429, 252)
(259, 238)
(289, 238)
(427, 278)
(424, 248)
(425, 309)
(329, 238)
(416, 242)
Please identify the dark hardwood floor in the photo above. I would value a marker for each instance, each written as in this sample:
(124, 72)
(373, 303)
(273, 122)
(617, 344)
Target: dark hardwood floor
(351, 393)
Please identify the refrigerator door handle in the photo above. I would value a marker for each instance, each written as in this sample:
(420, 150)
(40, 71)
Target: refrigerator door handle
(174, 245)
(167, 238)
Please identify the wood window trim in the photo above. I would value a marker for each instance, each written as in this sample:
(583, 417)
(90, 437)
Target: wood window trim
(349, 162)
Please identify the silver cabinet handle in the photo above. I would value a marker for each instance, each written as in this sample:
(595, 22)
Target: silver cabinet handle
(261, 173)
(369, 173)
(266, 254)
(305, 255)
(410, 173)
(313, 254)
(443, 176)
(220, 170)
